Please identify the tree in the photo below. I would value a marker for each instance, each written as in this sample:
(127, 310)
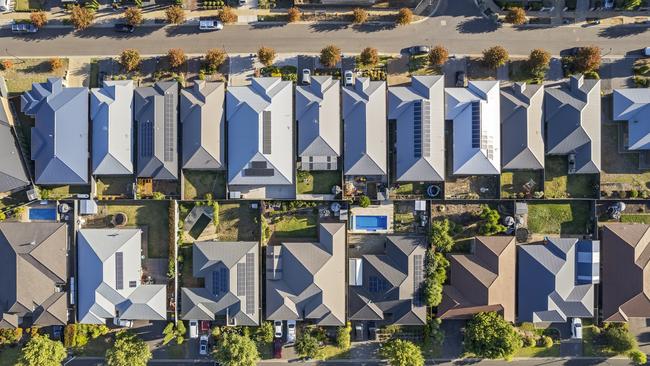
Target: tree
(369, 56)
(227, 15)
(81, 17)
(133, 16)
(404, 16)
(128, 350)
(547, 342)
(130, 59)
(42, 351)
(399, 352)
(538, 62)
(38, 18)
(10, 336)
(343, 336)
(495, 57)
(436, 274)
(264, 333)
(175, 14)
(293, 14)
(56, 63)
(516, 16)
(631, 4)
(359, 16)
(215, 57)
(307, 346)
(438, 55)
(330, 56)
(587, 59)
(488, 335)
(236, 350)
(364, 201)
(618, 337)
(266, 56)
(7, 64)
(637, 357)
(176, 57)
(490, 224)
(440, 237)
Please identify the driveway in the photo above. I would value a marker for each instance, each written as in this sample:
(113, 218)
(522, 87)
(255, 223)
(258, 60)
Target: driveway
(451, 67)
(452, 346)
(616, 73)
(640, 327)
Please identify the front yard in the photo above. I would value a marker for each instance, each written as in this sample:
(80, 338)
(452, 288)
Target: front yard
(317, 182)
(559, 218)
(559, 184)
(199, 183)
(24, 72)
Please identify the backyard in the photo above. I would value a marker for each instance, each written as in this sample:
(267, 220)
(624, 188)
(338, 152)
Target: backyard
(114, 186)
(24, 72)
(559, 184)
(559, 218)
(295, 220)
(620, 170)
(61, 192)
(237, 222)
(404, 217)
(521, 183)
(199, 183)
(413, 190)
(317, 182)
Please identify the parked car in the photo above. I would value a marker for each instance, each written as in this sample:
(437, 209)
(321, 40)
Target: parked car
(203, 345)
(124, 28)
(57, 332)
(23, 28)
(193, 329)
(461, 79)
(306, 76)
(291, 331)
(122, 322)
(349, 78)
(576, 328)
(418, 50)
(210, 25)
(646, 51)
(277, 326)
(277, 349)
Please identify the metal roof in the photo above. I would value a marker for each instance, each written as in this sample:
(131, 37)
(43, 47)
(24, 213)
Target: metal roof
(633, 106)
(318, 115)
(13, 173)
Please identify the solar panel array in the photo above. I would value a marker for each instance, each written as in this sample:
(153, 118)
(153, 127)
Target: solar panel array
(146, 139)
(241, 279)
(170, 121)
(418, 278)
(376, 284)
(266, 132)
(426, 128)
(417, 129)
(220, 281)
(119, 270)
(250, 283)
(421, 128)
(476, 124)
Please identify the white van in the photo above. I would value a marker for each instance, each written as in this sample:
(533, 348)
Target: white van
(194, 329)
(208, 25)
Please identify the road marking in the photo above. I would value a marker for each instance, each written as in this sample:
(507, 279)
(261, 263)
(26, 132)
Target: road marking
(443, 23)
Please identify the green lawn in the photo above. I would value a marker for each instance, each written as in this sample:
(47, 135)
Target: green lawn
(27, 71)
(96, 347)
(558, 218)
(238, 222)
(591, 348)
(114, 186)
(513, 182)
(559, 184)
(59, 192)
(329, 352)
(198, 183)
(150, 214)
(318, 182)
(296, 227)
(410, 189)
(636, 218)
(9, 355)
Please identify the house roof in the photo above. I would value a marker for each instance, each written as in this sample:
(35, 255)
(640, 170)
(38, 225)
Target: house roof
(156, 117)
(13, 173)
(230, 273)
(550, 288)
(392, 284)
(33, 260)
(477, 127)
(364, 123)
(633, 106)
(111, 113)
(319, 117)
(418, 110)
(203, 120)
(522, 123)
(306, 280)
(59, 143)
(626, 263)
(260, 133)
(484, 279)
(110, 260)
(572, 114)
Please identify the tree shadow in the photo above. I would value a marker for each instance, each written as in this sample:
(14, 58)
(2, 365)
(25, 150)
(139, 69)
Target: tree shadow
(622, 30)
(267, 25)
(373, 27)
(477, 25)
(46, 34)
(327, 27)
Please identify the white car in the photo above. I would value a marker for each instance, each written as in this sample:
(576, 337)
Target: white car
(576, 328)
(203, 345)
(277, 327)
(210, 25)
(646, 51)
(306, 76)
(291, 331)
(609, 4)
(349, 78)
(193, 329)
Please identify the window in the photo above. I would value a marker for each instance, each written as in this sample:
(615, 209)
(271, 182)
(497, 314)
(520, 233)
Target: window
(133, 284)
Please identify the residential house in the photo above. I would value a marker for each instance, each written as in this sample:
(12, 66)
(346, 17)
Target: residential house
(59, 143)
(318, 117)
(156, 118)
(260, 139)
(556, 280)
(633, 106)
(572, 114)
(522, 124)
(111, 113)
(418, 113)
(13, 173)
(476, 121)
(111, 285)
(34, 272)
(203, 121)
(481, 281)
(386, 288)
(306, 280)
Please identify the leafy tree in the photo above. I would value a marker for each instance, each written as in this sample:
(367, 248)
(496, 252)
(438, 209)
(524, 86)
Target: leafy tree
(227, 15)
(618, 337)
(56, 63)
(538, 62)
(631, 4)
(307, 346)
(264, 333)
(128, 350)
(495, 57)
(168, 333)
(369, 56)
(180, 332)
(236, 350)
(130, 59)
(490, 224)
(176, 57)
(516, 16)
(488, 335)
(81, 17)
(436, 275)
(587, 59)
(10, 336)
(175, 15)
(38, 18)
(404, 16)
(438, 55)
(399, 352)
(440, 237)
(42, 351)
(215, 58)
(432, 331)
(528, 341)
(330, 56)
(343, 336)
(266, 55)
(364, 201)
(359, 16)
(293, 14)
(133, 16)
(637, 357)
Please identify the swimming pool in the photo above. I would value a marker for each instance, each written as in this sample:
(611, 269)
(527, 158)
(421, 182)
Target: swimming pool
(370, 223)
(44, 214)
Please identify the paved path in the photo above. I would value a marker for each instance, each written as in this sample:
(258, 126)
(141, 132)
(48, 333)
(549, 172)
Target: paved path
(78, 71)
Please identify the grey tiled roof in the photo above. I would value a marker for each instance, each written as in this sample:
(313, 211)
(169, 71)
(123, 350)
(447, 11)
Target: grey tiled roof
(522, 124)
(13, 174)
(633, 106)
(318, 116)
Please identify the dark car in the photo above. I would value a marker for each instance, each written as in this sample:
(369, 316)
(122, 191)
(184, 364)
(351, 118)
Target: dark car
(277, 348)
(57, 332)
(124, 28)
(461, 79)
(418, 50)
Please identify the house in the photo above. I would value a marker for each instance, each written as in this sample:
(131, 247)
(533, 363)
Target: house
(231, 284)
(306, 280)
(203, 121)
(110, 286)
(418, 112)
(386, 288)
(522, 124)
(481, 281)
(156, 118)
(260, 139)
(475, 115)
(572, 114)
(13, 173)
(625, 264)
(34, 272)
(364, 124)
(633, 106)
(318, 117)
(556, 280)
(111, 113)
(59, 144)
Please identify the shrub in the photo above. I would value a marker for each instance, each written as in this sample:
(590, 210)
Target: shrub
(307, 346)
(56, 63)
(81, 18)
(436, 274)
(399, 352)
(528, 341)
(176, 57)
(495, 57)
(546, 342)
(637, 357)
(634, 193)
(440, 236)
(438, 55)
(227, 15)
(359, 16)
(293, 14)
(133, 16)
(490, 222)
(587, 59)
(618, 337)
(364, 201)
(538, 62)
(404, 16)
(343, 336)
(266, 56)
(330, 56)
(516, 16)
(631, 5)
(175, 15)
(488, 335)
(130, 59)
(7, 64)
(215, 58)
(592, 75)
(369, 56)
(38, 18)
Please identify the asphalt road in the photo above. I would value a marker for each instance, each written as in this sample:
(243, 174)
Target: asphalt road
(457, 25)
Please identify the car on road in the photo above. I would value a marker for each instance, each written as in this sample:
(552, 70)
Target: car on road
(277, 349)
(461, 79)
(194, 329)
(576, 328)
(348, 77)
(124, 28)
(23, 28)
(277, 328)
(306, 76)
(210, 25)
(418, 50)
(203, 345)
(291, 331)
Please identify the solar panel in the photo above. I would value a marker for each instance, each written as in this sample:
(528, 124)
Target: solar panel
(225, 275)
(250, 283)
(426, 128)
(417, 129)
(266, 132)
(418, 278)
(216, 278)
(170, 120)
(258, 164)
(119, 270)
(146, 139)
(373, 284)
(252, 172)
(476, 124)
(241, 279)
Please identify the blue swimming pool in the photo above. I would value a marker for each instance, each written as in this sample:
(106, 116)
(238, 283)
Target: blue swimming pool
(370, 223)
(45, 214)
